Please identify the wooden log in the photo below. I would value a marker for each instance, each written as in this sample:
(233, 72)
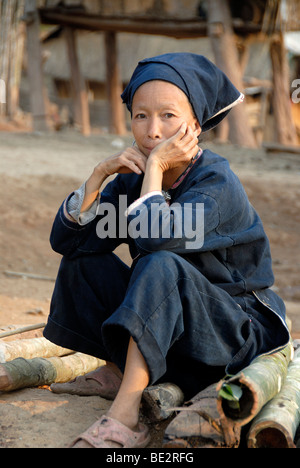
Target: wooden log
(30, 348)
(253, 387)
(276, 424)
(25, 373)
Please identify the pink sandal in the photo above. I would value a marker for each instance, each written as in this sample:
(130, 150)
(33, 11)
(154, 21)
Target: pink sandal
(101, 382)
(107, 430)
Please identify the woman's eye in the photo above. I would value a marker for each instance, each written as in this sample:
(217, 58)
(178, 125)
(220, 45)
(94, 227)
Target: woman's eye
(169, 115)
(140, 116)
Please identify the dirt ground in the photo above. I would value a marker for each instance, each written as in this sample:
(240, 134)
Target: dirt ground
(37, 171)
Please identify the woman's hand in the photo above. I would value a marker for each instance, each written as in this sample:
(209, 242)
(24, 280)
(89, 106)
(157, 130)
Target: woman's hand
(177, 151)
(171, 155)
(125, 162)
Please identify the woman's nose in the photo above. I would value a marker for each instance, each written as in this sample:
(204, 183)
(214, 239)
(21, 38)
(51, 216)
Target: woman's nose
(154, 130)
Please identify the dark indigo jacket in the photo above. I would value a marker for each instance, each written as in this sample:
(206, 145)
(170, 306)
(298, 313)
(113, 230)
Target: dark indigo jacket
(235, 254)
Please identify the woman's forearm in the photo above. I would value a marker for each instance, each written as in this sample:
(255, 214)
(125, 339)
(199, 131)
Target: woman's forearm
(92, 187)
(153, 178)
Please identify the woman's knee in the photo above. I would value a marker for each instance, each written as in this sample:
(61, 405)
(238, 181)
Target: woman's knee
(161, 257)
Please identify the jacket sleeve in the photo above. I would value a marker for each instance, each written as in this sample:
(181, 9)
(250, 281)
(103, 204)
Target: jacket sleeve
(212, 214)
(184, 226)
(71, 239)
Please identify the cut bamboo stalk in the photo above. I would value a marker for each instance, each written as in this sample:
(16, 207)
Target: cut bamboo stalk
(69, 367)
(276, 424)
(199, 424)
(30, 348)
(25, 373)
(259, 383)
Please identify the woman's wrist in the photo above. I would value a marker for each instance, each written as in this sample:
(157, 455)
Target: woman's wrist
(92, 186)
(153, 177)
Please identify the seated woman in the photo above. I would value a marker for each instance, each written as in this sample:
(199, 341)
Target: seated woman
(196, 302)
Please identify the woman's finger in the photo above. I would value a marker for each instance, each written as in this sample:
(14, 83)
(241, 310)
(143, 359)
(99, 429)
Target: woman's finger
(133, 160)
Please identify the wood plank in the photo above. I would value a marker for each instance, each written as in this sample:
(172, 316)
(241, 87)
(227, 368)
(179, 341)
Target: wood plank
(279, 148)
(180, 29)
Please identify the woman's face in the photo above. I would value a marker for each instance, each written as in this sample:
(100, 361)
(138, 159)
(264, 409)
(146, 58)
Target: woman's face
(159, 109)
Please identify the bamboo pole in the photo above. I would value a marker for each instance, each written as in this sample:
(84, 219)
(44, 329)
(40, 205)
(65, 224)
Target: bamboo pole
(30, 348)
(258, 383)
(13, 330)
(24, 373)
(276, 424)
(22, 274)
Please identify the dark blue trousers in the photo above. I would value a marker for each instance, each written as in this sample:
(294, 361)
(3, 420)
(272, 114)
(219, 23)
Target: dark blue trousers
(189, 331)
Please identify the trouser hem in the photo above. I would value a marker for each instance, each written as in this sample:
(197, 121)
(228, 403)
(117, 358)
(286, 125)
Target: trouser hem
(62, 336)
(116, 332)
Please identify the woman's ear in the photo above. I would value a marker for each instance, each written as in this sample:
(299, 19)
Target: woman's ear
(197, 127)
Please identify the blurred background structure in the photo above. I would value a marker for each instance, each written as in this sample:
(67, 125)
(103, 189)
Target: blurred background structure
(65, 63)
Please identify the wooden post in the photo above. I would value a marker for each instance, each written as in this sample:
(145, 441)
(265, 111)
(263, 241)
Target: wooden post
(81, 105)
(113, 85)
(223, 44)
(6, 14)
(35, 74)
(18, 42)
(285, 126)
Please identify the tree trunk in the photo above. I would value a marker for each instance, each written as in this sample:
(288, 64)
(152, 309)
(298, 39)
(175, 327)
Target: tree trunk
(225, 51)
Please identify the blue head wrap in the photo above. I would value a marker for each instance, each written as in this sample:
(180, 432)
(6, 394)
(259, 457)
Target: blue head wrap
(208, 89)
